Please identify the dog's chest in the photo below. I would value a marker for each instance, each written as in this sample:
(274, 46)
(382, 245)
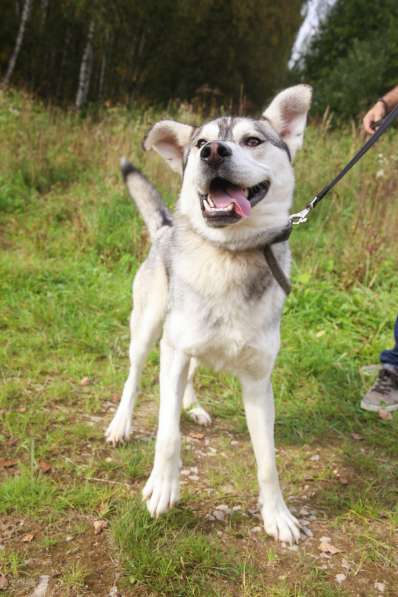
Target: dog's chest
(220, 306)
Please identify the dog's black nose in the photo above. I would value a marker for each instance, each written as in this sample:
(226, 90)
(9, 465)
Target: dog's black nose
(214, 153)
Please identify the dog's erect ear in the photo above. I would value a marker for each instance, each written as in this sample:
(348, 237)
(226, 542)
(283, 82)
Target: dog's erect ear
(169, 139)
(288, 114)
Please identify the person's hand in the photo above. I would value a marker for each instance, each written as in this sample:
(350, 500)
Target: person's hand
(376, 113)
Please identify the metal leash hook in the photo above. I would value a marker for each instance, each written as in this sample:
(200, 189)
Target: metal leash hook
(302, 216)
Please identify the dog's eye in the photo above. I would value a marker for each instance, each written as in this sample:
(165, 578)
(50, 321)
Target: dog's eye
(253, 141)
(201, 142)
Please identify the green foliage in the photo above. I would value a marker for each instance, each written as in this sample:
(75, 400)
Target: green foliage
(354, 57)
(154, 50)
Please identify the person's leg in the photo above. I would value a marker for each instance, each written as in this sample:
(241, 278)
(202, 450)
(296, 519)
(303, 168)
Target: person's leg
(390, 357)
(384, 393)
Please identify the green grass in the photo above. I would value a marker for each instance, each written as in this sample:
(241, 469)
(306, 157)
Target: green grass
(70, 243)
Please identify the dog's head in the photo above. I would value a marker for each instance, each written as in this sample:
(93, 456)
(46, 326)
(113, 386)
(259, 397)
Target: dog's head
(237, 172)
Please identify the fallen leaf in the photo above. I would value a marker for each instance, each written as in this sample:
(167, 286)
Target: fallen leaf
(385, 415)
(7, 463)
(115, 398)
(85, 381)
(11, 442)
(99, 526)
(3, 582)
(325, 546)
(197, 435)
(21, 409)
(44, 467)
(356, 436)
(28, 538)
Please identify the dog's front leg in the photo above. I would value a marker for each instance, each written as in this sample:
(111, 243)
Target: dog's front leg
(260, 416)
(162, 488)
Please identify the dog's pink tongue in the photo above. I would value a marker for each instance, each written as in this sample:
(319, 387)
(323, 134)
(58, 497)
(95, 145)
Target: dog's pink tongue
(223, 199)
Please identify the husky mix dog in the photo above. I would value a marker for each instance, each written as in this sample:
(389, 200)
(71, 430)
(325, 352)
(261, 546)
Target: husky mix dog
(206, 288)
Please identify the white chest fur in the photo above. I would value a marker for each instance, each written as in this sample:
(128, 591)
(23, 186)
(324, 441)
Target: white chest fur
(224, 308)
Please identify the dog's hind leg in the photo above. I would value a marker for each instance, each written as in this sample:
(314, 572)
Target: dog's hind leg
(260, 415)
(150, 288)
(190, 402)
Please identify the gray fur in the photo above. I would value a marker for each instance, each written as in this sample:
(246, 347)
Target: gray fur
(148, 200)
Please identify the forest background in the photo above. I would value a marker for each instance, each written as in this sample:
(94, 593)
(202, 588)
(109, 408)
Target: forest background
(223, 53)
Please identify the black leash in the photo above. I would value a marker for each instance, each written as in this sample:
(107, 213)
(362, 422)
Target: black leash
(302, 216)
(382, 126)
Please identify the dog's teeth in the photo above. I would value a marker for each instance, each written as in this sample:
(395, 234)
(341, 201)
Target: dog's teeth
(246, 192)
(210, 201)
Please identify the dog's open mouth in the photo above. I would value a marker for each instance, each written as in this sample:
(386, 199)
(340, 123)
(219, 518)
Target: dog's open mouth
(226, 203)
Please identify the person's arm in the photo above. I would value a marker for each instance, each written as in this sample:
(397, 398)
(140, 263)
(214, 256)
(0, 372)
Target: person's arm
(380, 109)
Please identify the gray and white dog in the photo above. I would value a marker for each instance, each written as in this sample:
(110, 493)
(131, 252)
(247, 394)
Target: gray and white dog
(207, 285)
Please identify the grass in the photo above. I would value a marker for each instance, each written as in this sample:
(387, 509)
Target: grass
(70, 243)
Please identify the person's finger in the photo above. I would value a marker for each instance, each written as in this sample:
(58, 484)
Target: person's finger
(367, 122)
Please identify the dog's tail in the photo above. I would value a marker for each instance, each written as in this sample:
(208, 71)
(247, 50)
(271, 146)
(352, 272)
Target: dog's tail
(147, 199)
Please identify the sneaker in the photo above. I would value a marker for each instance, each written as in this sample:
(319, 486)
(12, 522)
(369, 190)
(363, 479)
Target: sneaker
(384, 393)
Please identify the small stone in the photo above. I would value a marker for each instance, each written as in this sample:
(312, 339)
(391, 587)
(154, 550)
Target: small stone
(380, 586)
(315, 458)
(340, 578)
(224, 508)
(256, 530)
(85, 381)
(219, 515)
(193, 477)
(234, 443)
(236, 508)
(3, 582)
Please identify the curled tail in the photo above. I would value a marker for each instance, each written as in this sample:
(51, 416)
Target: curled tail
(147, 199)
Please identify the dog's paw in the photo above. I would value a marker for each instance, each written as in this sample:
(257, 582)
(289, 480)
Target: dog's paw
(119, 430)
(199, 416)
(161, 492)
(281, 524)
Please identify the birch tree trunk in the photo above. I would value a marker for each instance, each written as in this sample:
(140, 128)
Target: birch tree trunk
(86, 68)
(18, 44)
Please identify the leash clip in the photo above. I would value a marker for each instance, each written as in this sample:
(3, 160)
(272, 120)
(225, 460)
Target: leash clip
(302, 216)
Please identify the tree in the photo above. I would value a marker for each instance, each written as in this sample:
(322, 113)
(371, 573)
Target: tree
(354, 58)
(19, 41)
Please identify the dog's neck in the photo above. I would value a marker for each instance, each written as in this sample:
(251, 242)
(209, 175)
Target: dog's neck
(256, 241)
